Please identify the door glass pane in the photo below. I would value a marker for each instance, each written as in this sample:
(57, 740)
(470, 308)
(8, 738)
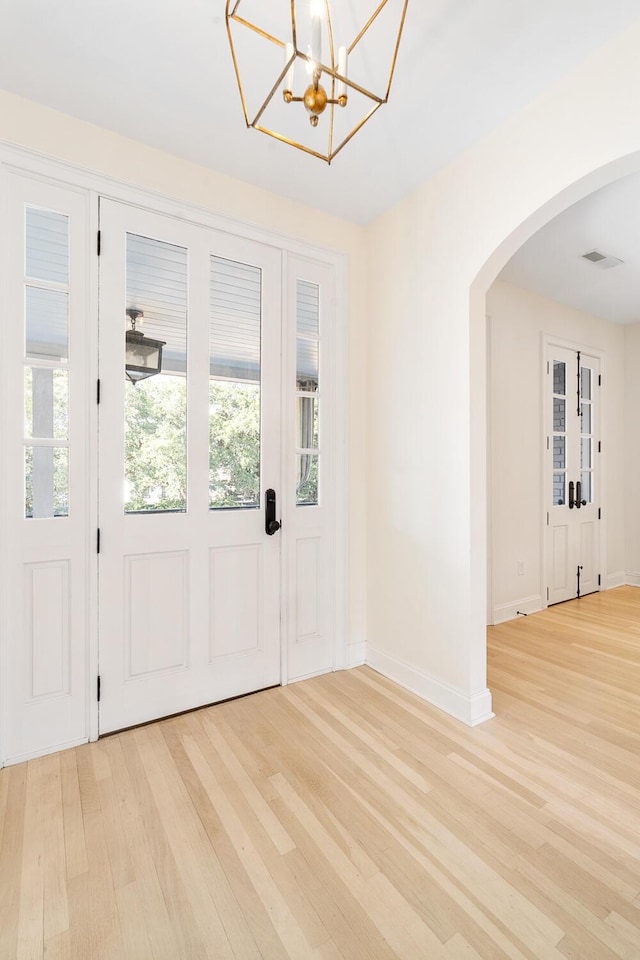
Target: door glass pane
(308, 308)
(46, 393)
(46, 482)
(585, 412)
(585, 383)
(47, 324)
(307, 423)
(156, 407)
(586, 480)
(307, 365)
(47, 246)
(559, 454)
(559, 415)
(585, 453)
(234, 384)
(307, 480)
(558, 489)
(559, 378)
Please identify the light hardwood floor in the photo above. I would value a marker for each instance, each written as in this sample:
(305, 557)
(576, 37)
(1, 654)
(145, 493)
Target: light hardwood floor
(343, 819)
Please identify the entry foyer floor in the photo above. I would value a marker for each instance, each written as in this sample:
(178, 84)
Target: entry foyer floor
(344, 819)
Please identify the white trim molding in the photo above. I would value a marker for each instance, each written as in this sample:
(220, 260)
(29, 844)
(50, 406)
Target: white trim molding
(617, 579)
(632, 580)
(356, 654)
(470, 709)
(509, 611)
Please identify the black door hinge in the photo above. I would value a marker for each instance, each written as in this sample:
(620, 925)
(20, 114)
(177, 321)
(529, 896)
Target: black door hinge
(599, 579)
(599, 446)
(97, 391)
(98, 689)
(599, 513)
(599, 379)
(99, 242)
(98, 541)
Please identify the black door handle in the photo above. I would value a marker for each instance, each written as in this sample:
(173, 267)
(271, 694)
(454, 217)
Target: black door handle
(579, 501)
(571, 500)
(271, 525)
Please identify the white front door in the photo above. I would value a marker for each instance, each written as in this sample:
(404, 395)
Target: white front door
(189, 579)
(572, 474)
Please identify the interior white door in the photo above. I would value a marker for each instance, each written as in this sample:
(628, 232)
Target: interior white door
(573, 482)
(189, 579)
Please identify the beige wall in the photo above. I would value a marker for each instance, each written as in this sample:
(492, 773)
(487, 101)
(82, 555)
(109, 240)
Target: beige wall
(433, 257)
(56, 135)
(632, 452)
(518, 320)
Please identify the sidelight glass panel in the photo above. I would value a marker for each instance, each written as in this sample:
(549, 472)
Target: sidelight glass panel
(47, 246)
(308, 308)
(46, 394)
(559, 415)
(156, 407)
(585, 414)
(559, 453)
(46, 482)
(585, 383)
(307, 423)
(559, 484)
(234, 384)
(585, 453)
(307, 480)
(586, 480)
(307, 365)
(559, 378)
(47, 324)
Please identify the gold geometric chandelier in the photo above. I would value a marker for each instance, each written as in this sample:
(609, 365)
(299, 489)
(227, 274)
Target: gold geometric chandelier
(311, 69)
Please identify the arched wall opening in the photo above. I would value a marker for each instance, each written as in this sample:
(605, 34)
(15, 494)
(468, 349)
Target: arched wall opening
(586, 185)
(431, 260)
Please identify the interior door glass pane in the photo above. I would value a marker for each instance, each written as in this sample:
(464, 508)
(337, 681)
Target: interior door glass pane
(46, 408)
(559, 378)
(46, 482)
(156, 407)
(585, 453)
(559, 454)
(558, 489)
(585, 412)
(234, 384)
(559, 415)
(307, 423)
(47, 246)
(47, 323)
(585, 383)
(586, 480)
(307, 480)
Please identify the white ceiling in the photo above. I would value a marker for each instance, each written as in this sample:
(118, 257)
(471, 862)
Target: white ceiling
(160, 71)
(551, 261)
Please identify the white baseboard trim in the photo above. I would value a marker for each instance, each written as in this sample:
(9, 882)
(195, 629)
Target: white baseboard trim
(471, 710)
(356, 654)
(632, 579)
(618, 579)
(34, 754)
(509, 611)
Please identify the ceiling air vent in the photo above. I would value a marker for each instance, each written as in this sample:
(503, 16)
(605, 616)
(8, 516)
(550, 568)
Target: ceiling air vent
(601, 260)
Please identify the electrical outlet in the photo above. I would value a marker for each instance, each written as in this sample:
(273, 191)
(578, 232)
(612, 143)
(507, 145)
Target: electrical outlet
(521, 568)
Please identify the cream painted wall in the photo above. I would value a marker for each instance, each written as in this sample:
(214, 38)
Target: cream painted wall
(632, 452)
(518, 320)
(433, 257)
(56, 135)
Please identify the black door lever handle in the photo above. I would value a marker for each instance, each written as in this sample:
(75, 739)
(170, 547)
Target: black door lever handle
(271, 525)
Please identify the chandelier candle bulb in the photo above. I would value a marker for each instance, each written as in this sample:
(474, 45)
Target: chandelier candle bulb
(316, 32)
(289, 50)
(341, 87)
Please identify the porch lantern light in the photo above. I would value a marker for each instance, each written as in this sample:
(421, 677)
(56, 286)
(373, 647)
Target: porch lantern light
(315, 70)
(143, 355)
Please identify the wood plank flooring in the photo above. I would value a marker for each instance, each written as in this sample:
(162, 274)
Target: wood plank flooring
(344, 819)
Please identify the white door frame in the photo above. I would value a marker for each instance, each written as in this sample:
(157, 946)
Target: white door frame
(547, 341)
(32, 164)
